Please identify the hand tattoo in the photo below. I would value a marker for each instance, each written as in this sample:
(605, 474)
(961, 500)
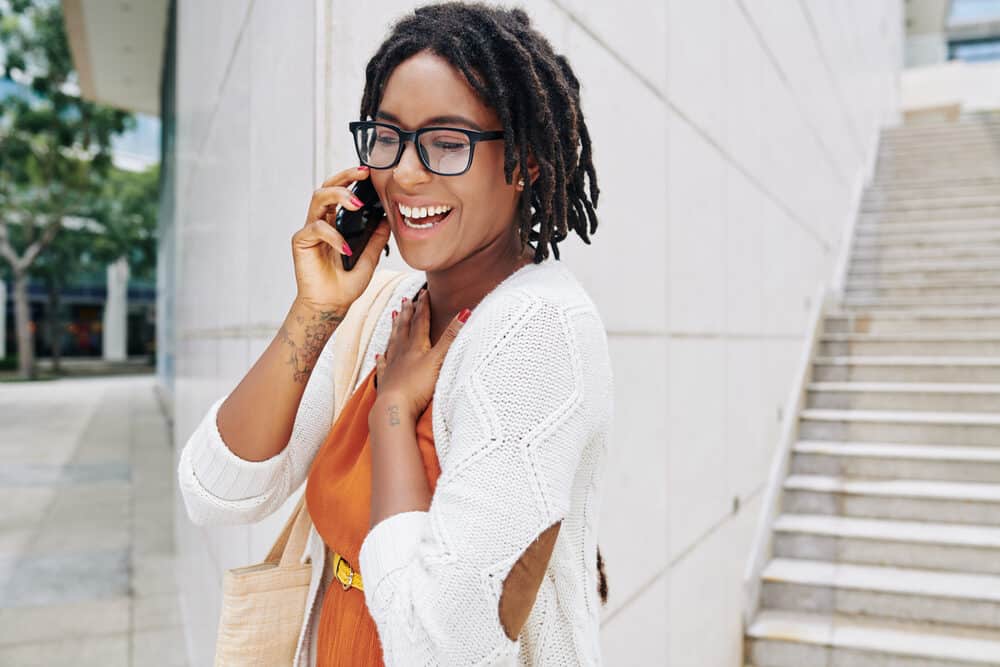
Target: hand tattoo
(317, 330)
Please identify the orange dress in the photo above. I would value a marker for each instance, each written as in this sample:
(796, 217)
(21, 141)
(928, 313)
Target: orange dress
(338, 498)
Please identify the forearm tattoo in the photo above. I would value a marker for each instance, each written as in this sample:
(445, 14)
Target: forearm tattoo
(317, 329)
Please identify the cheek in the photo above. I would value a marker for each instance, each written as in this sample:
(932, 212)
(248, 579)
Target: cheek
(486, 192)
(379, 181)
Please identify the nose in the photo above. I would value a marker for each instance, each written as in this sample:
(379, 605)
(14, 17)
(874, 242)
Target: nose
(410, 170)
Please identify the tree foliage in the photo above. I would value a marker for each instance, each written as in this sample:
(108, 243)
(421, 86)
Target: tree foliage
(55, 147)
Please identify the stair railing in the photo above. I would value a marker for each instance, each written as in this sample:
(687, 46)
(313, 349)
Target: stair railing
(827, 296)
(762, 545)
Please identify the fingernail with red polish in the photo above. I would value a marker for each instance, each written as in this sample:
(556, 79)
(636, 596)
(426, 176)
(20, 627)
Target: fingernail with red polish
(356, 201)
(394, 313)
(363, 168)
(347, 249)
(464, 315)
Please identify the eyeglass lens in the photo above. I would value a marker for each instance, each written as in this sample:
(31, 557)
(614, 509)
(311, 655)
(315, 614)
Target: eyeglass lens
(443, 151)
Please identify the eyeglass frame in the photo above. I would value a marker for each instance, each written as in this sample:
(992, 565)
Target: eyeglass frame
(474, 136)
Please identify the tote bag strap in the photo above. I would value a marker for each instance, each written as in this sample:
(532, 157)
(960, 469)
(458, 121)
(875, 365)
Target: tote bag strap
(293, 537)
(353, 335)
(360, 322)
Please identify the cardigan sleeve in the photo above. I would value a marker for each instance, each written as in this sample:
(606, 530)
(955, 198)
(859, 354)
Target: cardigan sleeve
(518, 423)
(220, 488)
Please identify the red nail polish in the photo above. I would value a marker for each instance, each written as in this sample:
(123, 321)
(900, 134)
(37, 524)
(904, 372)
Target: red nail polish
(394, 313)
(347, 249)
(356, 201)
(464, 315)
(363, 168)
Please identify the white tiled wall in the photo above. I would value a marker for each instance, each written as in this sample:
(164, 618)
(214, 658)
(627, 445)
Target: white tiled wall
(721, 217)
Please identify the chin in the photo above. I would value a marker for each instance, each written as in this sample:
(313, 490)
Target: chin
(419, 257)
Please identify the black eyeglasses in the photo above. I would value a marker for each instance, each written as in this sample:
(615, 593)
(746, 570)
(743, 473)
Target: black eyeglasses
(446, 151)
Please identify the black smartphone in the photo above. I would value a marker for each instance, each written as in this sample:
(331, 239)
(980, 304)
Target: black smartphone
(357, 226)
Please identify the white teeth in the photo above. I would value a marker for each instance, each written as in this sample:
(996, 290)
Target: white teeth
(422, 212)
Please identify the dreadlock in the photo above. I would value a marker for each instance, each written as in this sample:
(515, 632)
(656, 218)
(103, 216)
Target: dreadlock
(513, 69)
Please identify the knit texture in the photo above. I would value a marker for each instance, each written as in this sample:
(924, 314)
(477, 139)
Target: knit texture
(522, 418)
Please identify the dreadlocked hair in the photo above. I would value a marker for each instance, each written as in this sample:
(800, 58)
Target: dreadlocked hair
(513, 69)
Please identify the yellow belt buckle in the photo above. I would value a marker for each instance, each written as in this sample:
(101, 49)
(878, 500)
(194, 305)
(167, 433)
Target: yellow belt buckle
(351, 578)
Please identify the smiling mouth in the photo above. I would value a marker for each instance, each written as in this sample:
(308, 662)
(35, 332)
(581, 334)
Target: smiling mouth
(423, 217)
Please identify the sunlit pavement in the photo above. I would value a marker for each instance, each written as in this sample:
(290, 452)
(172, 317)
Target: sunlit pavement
(86, 537)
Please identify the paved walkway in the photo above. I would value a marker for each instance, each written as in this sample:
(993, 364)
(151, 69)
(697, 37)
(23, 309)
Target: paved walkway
(86, 532)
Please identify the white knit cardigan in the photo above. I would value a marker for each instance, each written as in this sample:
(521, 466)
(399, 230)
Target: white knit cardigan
(522, 417)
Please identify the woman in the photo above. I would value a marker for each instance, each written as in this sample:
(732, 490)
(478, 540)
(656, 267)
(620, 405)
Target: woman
(463, 476)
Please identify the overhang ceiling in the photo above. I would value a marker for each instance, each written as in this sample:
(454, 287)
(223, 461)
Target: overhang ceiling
(926, 16)
(117, 48)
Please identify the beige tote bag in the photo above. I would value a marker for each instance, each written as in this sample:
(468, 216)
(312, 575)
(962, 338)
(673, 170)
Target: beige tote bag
(263, 605)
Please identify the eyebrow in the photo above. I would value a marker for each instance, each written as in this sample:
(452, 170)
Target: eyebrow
(436, 120)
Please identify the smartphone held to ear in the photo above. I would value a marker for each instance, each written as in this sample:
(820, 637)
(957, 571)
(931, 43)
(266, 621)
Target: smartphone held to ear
(357, 226)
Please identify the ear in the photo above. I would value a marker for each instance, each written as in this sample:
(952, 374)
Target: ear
(532, 169)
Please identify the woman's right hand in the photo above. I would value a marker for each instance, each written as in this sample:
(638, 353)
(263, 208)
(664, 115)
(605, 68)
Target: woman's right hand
(322, 281)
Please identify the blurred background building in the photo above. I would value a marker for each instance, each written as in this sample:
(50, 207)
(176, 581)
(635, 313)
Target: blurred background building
(761, 125)
(952, 58)
(84, 317)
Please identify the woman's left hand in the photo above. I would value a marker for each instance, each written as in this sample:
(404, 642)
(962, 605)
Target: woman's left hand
(408, 371)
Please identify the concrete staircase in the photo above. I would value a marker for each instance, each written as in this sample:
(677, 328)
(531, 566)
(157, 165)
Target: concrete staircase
(886, 548)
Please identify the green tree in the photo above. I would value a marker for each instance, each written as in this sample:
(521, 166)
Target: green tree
(55, 147)
(120, 221)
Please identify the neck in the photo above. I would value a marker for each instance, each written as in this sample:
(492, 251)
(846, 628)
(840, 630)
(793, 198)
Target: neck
(463, 285)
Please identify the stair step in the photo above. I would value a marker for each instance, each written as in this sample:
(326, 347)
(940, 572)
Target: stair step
(800, 639)
(891, 192)
(946, 131)
(895, 173)
(900, 220)
(931, 175)
(891, 460)
(930, 203)
(911, 581)
(896, 488)
(903, 417)
(859, 312)
(886, 368)
(984, 279)
(939, 238)
(943, 302)
(910, 268)
(892, 289)
(967, 397)
(973, 503)
(885, 253)
(895, 450)
(988, 389)
(982, 138)
(869, 230)
(936, 184)
(980, 343)
(903, 322)
(931, 545)
(902, 426)
(880, 591)
(948, 186)
(982, 282)
(955, 154)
